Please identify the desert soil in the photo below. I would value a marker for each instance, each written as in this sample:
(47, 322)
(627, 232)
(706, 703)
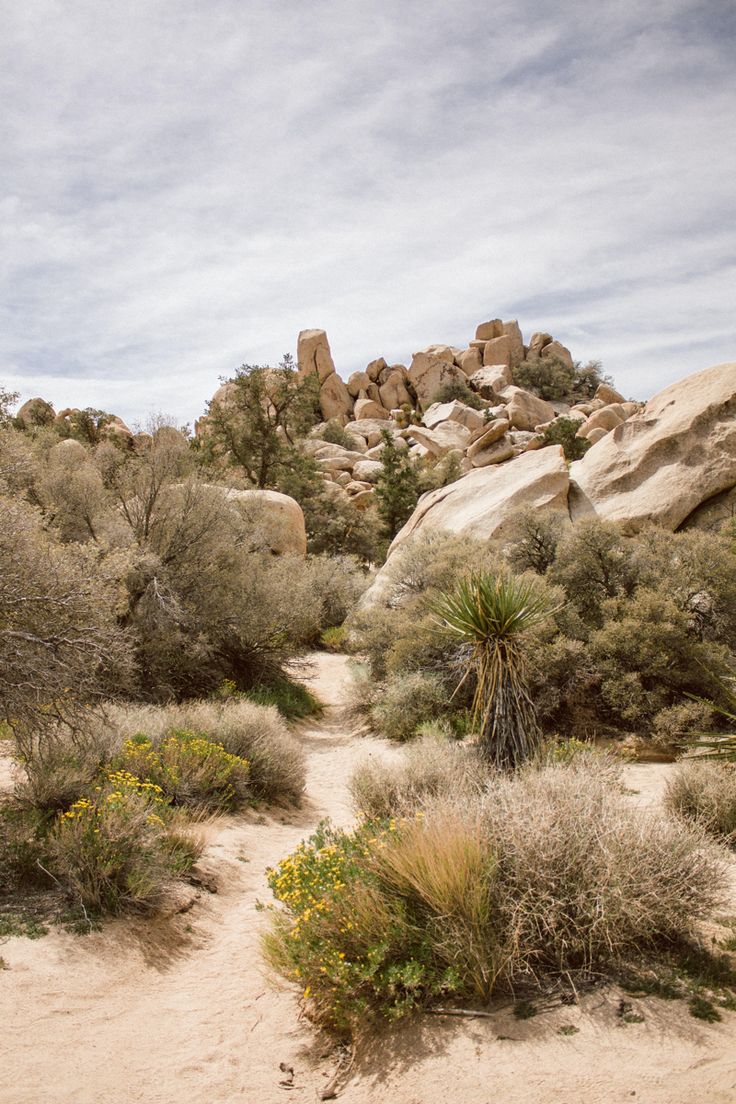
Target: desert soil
(181, 1011)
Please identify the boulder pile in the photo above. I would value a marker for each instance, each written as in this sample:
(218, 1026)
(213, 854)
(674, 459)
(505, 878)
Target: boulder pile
(508, 422)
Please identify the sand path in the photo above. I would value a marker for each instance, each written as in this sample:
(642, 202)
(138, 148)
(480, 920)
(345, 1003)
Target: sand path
(179, 1011)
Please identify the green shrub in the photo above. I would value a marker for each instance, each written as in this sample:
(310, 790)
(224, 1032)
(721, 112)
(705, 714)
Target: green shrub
(253, 732)
(564, 431)
(457, 391)
(334, 639)
(407, 700)
(704, 792)
(432, 766)
(679, 724)
(335, 434)
(189, 769)
(551, 872)
(549, 377)
(293, 700)
(117, 849)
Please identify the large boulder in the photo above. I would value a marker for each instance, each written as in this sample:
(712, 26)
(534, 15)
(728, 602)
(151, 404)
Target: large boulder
(555, 350)
(313, 354)
(491, 380)
(334, 398)
(274, 520)
(498, 351)
(445, 437)
(393, 391)
(454, 411)
(526, 411)
(469, 360)
(36, 412)
(516, 341)
(428, 374)
(483, 502)
(664, 462)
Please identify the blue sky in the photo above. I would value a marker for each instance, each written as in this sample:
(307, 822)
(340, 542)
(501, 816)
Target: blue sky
(184, 186)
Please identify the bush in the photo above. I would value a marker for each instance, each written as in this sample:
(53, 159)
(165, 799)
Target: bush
(334, 639)
(433, 766)
(407, 700)
(550, 873)
(253, 732)
(705, 793)
(564, 431)
(116, 849)
(293, 700)
(457, 391)
(189, 770)
(549, 377)
(676, 725)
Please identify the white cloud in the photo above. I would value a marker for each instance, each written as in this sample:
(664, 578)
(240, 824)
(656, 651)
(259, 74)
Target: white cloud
(185, 185)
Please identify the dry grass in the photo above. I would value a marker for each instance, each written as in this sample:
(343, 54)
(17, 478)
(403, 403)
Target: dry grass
(253, 732)
(432, 767)
(704, 792)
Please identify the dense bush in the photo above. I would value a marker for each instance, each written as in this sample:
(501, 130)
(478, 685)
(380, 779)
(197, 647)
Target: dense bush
(704, 792)
(564, 431)
(553, 379)
(189, 770)
(551, 872)
(116, 849)
(405, 701)
(252, 732)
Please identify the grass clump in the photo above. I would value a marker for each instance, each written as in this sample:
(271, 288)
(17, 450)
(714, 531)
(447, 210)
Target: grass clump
(548, 872)
(293, 700)
(704, 792)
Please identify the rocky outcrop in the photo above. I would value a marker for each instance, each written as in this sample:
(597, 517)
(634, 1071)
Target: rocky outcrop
(662, 463)
(313, 354)
(483, 502)
(36, 412)
(428, 374)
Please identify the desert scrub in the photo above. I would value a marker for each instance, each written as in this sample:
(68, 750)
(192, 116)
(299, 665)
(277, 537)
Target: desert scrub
(407, 700)
(704, 792)
(548, 873)
(189, 770)
(117, 848)
(254, 732)
(347, 937)
(432, 766)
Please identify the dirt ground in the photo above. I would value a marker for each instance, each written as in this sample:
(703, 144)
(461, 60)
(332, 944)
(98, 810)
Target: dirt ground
(181, 1011)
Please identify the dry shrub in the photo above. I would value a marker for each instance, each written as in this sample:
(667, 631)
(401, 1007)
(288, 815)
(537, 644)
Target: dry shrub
(584, 877)
(704, 792)
(406, 701)
(253, 732)
(432, 767)
(676, 724)
(550, 871)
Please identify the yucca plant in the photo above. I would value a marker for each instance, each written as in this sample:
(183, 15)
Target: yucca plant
(491, 615)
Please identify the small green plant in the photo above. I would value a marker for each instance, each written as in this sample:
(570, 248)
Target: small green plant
(458, 391)
(568, 1029)
(397, 487)
(117, 848)
(335, 639)
(703, 1009)
(334, 434)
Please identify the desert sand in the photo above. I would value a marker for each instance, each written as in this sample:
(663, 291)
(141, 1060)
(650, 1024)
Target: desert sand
(180, 1010)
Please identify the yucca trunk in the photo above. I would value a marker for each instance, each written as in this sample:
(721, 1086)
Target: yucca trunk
(504, 714)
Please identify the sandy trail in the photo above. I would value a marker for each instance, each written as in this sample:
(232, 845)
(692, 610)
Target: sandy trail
(179, 1011)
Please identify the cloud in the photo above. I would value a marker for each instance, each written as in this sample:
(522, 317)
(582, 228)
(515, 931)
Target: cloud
(184, 186)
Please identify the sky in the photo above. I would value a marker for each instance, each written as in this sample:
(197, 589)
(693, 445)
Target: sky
(186, 184)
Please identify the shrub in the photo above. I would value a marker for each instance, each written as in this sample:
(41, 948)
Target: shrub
(432, 767)
(564, 431)
(549, 377)
(293, 700)
(676, 725)
(705, 793)
(115, 851)
(550, 873)
(458, 391)
(407, 700)
(253, 732)
(334, 639)
(334, 434)
(189, 770)
(397, 486)
(534, 540)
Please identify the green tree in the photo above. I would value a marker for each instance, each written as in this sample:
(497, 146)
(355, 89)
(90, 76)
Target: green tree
(397, 488)
(7, 399)
(563, 431)
(261, 416)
